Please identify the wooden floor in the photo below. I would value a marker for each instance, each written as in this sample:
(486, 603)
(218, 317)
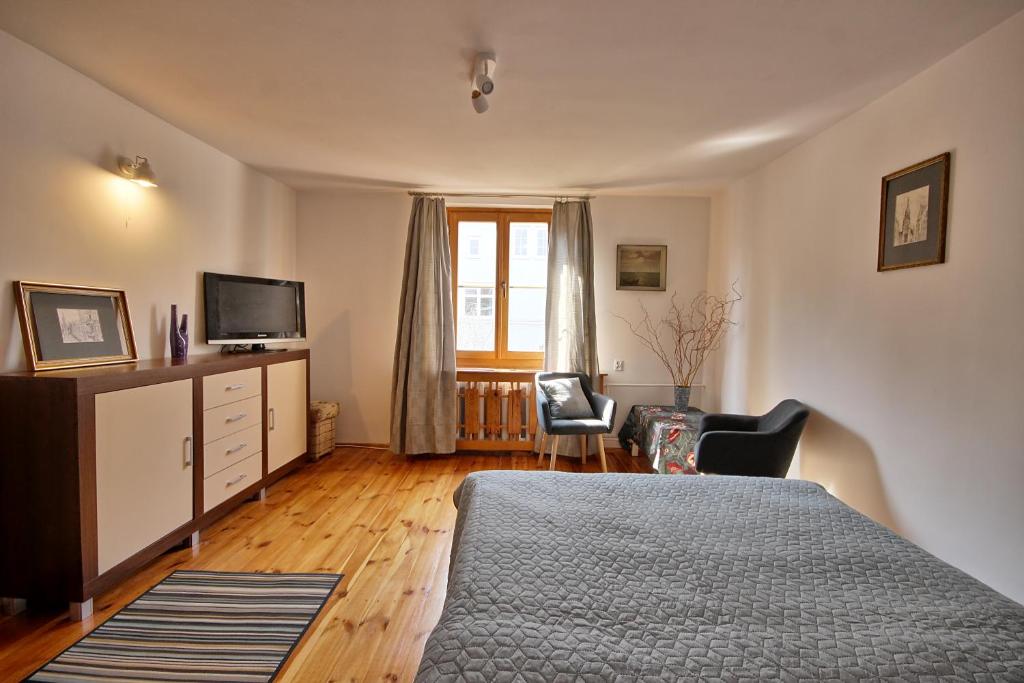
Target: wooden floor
(382, 520)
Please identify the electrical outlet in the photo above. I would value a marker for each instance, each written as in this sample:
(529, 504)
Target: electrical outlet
(620, 365)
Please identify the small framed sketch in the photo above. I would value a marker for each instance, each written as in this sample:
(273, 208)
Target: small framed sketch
(912, 228)
(641, 267)
(69, 326)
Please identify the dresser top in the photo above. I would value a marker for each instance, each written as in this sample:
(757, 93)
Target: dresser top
(111, 377)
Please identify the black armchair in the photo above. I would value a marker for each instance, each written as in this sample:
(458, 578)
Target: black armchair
(602, 422)
(756, 446)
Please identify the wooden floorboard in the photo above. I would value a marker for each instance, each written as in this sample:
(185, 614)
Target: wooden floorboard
(382, 520)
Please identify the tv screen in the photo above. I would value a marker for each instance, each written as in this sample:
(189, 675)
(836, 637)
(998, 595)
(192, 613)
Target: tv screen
(244, 310)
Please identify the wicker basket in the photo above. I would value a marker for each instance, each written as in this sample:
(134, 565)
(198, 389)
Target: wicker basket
(322, 419)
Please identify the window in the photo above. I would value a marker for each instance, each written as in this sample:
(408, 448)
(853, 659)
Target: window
(500, 285)
(478, 302)
(521, 240)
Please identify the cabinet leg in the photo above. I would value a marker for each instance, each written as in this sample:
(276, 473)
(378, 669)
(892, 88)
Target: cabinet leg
(260, 495)
(193, 540)
(78, 611)
(11, 606)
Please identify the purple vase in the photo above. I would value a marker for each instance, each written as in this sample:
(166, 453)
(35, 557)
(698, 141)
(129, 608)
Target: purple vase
(183, 335)
(178, 335)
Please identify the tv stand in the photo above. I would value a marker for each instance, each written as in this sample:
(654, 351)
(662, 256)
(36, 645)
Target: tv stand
(105, 468)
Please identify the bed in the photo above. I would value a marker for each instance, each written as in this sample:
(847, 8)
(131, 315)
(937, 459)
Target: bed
(620, 577)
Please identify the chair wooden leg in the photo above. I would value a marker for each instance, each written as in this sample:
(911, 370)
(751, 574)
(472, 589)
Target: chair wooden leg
(600, 452)
(554, 452)
(543, 447)
(583, 448)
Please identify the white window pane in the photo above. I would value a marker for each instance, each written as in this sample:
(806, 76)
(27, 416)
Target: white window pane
(478, 247)
(530, 270)
(526, 318)
(477, 251)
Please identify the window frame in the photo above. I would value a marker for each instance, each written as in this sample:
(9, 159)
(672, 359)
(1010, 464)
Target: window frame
(500, 357)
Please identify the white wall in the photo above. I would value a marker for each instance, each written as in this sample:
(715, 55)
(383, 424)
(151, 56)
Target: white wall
(351, 248)
(65, 217)
(915, 376)
(682, 224)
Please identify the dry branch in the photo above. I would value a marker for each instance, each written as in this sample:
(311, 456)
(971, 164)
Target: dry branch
(692, 332)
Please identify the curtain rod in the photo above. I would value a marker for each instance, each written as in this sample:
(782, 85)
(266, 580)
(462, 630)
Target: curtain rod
(501, 195)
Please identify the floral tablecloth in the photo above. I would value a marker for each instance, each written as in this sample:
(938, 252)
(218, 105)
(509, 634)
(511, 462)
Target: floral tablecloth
(665, 435)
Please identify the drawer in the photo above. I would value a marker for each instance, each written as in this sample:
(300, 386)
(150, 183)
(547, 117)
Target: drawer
(231, 449)
(228, 387)
(233, 417)
(231, 480)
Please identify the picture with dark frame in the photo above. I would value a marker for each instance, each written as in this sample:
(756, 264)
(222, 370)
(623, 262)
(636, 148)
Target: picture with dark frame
(912, 229)
(641, 267)
(70, 326)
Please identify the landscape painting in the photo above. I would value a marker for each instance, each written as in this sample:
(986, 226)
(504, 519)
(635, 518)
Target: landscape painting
(641, 267)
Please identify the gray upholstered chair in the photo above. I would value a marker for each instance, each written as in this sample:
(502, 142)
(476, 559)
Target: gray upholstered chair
(750, 445)
(600, 424)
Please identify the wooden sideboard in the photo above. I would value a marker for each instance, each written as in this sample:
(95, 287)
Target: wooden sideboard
(104, 468)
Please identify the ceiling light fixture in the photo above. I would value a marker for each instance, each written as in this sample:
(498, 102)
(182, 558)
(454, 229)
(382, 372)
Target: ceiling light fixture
(483, 81)
(138, 171)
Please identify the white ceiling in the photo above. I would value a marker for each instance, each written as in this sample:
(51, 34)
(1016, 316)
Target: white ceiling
(613, 95)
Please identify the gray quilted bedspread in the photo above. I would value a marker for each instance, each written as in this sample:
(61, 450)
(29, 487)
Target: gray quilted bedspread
(619, 577)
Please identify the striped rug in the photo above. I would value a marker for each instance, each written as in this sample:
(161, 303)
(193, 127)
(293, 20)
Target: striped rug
(199, 626)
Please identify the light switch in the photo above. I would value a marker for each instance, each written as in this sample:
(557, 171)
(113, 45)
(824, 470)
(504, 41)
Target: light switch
(620, 365)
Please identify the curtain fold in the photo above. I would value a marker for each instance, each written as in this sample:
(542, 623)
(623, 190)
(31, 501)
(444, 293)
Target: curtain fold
(423, 388)
(570, 343)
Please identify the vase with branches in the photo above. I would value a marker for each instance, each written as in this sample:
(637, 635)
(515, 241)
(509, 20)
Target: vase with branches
(686, 335)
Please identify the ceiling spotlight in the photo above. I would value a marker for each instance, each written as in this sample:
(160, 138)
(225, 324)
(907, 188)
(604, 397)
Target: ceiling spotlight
(138, 171)
(483, 80)
(479, 102)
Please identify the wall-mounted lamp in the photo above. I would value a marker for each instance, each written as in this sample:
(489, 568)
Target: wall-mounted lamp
(138, 171)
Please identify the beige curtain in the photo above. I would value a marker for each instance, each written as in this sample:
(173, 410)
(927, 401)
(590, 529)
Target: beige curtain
(423, 390)
(570, 321)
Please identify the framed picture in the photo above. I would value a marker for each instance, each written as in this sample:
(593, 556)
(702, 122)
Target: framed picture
(912, 228)
(69, 326)
(641, 267)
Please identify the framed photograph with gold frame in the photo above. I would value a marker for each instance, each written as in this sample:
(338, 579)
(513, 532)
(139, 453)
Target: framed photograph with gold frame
(912, 230)
(72, 326)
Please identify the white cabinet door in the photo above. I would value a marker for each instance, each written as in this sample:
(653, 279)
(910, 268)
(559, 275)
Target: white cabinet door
(143, 467)
(286, 412)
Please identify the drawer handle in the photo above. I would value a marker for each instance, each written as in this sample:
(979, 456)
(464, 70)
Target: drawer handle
(236, 418)
(236, 480)
(188, 451)
(272, 420)
(234, 387)
(235, 449)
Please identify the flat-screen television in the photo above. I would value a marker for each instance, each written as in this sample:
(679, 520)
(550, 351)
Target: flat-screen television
(253, 310)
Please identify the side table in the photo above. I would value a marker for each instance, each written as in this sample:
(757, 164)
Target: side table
(664, 435)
